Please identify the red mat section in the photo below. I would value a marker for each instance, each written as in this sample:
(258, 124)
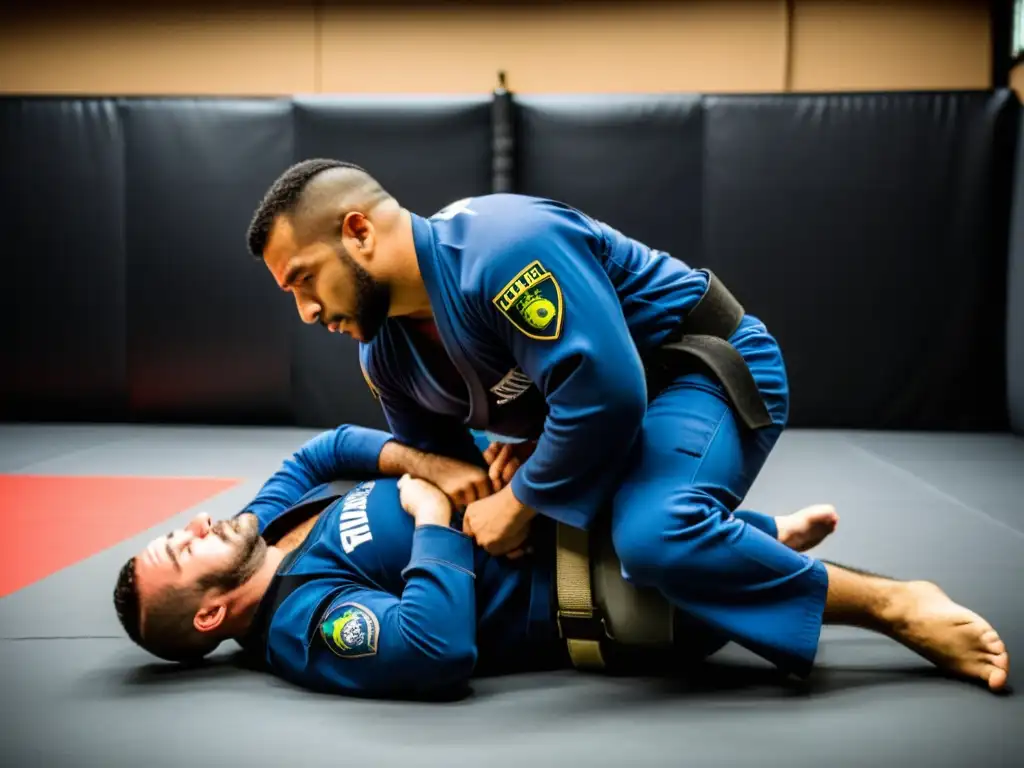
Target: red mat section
(51, 522)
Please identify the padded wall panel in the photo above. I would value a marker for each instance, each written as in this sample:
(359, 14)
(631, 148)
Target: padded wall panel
(1015, 311)
(868, 231)
(208, 330)
(427, 152)
(62, 301)
(632, 161)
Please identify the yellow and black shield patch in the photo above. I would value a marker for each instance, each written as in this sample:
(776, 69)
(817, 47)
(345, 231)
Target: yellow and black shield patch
(532, 301)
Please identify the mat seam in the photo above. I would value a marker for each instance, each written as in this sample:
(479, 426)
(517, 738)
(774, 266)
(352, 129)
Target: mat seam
(938, 491)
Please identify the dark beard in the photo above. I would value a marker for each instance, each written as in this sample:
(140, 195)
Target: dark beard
(373, 300)
(249, 558)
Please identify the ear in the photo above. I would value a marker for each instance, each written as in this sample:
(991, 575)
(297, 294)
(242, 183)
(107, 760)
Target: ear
(359, 233)
(210, 616)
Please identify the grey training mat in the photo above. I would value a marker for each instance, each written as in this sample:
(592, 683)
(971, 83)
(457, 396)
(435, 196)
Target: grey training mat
(944, 507)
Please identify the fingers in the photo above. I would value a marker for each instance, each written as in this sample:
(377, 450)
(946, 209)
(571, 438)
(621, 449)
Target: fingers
(509, 543)
(491, 452)
(498, 464)
(471, 491)
(509, 471)
(467, 527)
(482, 488)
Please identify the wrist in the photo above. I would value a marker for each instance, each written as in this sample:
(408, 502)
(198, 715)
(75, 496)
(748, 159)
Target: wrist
(435, 514)
(522, 512)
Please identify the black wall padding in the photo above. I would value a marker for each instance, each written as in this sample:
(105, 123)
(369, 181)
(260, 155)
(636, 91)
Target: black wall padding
(869, 232)
(1015, 314)
(426, 152)
(62, 311)
(632, 161)
(207, 326)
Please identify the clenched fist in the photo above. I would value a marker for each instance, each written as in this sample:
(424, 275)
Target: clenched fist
(426, 503)
(463, 483)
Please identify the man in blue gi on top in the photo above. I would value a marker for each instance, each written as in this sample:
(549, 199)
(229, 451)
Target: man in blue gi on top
(639, 382)
(373, 590)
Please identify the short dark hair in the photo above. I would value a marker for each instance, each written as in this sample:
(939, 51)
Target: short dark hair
(283, 196)
(126, 602)
(170, 633)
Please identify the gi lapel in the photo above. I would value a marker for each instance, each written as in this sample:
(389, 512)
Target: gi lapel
(440, 285)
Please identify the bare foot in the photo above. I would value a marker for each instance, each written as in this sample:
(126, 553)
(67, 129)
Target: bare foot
(808, 527)
(950, 636)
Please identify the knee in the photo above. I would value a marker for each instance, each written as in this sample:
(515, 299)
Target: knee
(656, 544)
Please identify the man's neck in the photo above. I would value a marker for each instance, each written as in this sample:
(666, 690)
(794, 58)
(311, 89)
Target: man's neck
(258, 584)
(409, 297)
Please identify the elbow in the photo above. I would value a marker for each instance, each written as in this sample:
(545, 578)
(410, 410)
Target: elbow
(625, 402)
(449, 668)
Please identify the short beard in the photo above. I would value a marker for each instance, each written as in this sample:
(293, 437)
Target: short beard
(373, 299)
(248, 561)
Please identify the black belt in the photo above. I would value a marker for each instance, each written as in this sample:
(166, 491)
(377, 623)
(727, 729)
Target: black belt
(704, 335)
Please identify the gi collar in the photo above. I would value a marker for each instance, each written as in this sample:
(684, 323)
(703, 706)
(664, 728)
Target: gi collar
(442, 282)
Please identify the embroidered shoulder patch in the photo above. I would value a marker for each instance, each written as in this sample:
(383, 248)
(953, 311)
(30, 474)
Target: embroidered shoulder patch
(350, 631)
(532, 301)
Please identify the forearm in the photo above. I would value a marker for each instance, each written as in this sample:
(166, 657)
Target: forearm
(587, 436)
(421, 642)
(398, 459)
(345, 452)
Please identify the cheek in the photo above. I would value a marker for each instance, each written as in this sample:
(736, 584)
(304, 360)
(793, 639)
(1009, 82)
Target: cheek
(334, 288)
(214, 557)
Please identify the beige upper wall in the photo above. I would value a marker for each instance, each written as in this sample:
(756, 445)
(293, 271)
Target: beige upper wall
(637, 46)
(167, 50)
(253, 48)
(874, 45)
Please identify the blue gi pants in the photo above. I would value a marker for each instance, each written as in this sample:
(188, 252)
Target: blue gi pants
(675, 528)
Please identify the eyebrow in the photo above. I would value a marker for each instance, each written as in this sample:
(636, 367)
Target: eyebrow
(290, 274)
(170, 553)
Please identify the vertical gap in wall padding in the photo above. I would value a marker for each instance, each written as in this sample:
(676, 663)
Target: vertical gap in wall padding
(318, 46)
(787, 54)
(120, 107)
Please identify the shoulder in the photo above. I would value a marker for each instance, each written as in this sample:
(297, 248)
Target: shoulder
(502, 235)
(315, 626)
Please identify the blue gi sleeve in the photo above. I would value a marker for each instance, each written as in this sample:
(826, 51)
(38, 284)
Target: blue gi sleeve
(411, 423)
(550, 302)
(347, 452)
(370, 642)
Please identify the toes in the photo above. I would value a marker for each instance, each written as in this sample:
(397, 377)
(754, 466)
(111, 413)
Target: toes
(997, 679)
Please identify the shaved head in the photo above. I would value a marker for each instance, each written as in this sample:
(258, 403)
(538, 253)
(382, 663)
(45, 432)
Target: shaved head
(315, 194)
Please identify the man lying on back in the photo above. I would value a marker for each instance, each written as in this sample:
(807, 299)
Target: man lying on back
(378, 592)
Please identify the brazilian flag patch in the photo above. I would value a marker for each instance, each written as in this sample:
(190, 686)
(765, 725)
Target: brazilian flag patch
(350, 630)
(532, 301)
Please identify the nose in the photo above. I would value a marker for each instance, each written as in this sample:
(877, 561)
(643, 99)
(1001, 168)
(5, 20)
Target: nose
(309, 310)
(200, 525)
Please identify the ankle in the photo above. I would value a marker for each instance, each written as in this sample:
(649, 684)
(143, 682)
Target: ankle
(903, 601)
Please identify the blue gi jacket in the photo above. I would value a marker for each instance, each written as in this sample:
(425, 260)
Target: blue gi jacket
(372, 605)
(544, 314)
